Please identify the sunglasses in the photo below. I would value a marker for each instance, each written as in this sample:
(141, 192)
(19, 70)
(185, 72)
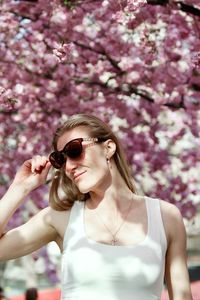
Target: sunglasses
(72, 149)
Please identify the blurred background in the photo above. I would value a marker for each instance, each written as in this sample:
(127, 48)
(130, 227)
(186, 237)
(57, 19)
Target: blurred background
(135, 64)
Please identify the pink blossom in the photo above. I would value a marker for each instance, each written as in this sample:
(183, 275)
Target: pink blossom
(195, 59)
(133, 5)
(63, 52)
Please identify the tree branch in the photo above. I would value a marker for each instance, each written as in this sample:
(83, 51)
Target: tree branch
(190, 9)
(102, 52)
(182, 6)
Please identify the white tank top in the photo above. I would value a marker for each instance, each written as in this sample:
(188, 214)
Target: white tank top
(97, 271)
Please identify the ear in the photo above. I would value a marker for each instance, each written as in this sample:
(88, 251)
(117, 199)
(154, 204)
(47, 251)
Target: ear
(110, 148)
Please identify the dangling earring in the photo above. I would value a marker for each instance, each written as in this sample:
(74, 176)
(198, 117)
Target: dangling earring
(108, 162)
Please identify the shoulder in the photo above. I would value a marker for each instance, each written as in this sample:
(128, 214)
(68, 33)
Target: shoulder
(59, 220)
(48, 214)
(52, 216)
(56, 221)
(172, 219)
(170, 212)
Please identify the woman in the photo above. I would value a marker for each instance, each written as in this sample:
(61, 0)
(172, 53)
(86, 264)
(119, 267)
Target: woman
(115, 244)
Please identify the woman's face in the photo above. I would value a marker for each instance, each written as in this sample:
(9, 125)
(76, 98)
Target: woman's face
(90, 171)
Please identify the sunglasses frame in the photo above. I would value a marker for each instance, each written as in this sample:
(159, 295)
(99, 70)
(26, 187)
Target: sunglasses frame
(62, 154)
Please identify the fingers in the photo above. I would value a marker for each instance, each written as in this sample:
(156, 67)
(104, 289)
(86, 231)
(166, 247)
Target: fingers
(38, 164)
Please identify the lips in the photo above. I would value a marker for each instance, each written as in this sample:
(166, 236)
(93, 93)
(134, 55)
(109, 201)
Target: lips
(76, 176)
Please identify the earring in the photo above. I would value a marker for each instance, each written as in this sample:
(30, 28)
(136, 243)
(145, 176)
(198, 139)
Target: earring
(108, 162)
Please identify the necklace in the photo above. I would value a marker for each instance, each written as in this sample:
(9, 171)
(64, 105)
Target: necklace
(114, 240)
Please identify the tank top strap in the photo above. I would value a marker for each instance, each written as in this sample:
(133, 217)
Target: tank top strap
(155, 222)
(74, 230)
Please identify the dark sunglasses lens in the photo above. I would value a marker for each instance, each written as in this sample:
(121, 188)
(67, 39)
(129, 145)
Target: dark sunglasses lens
(73, 149)
(57, 159)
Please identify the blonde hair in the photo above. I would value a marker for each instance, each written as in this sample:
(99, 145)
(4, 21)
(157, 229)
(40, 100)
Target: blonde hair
(63, 191)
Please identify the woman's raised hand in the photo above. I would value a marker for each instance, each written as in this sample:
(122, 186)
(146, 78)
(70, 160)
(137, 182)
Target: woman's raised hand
(32, 173)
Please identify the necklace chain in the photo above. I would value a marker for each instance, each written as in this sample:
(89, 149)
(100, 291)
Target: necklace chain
(114, 240)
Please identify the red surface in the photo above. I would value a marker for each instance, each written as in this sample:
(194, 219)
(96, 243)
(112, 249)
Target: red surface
(50, 294)
(54, 294)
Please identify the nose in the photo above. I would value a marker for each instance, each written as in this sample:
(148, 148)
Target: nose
(70, 166)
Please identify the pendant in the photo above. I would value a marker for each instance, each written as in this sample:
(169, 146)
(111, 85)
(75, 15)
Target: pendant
(114, 242)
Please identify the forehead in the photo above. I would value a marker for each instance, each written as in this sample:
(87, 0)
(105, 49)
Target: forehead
(78, 132)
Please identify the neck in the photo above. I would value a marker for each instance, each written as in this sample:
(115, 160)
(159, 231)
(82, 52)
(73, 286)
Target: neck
(115, 197)
(112, 194)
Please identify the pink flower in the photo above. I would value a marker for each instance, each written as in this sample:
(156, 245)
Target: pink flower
(196, 60)
(133, 5)
(63, 52)
(2, 90)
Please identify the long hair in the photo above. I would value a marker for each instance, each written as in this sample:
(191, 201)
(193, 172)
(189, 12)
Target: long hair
(63, 191)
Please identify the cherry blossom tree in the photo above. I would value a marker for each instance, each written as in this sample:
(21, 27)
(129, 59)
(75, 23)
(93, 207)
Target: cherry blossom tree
(136, 64)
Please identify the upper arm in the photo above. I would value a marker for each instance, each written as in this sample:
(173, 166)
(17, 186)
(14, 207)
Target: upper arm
(176, 273)
(28, 237)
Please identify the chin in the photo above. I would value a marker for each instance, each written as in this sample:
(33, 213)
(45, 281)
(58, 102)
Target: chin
(84, 189)
(90, 185)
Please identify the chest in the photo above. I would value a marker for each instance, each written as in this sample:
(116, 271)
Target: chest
(97, 263)
(121, 229)
(126, 229)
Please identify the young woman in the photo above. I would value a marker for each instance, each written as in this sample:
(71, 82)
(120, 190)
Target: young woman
(116, 245)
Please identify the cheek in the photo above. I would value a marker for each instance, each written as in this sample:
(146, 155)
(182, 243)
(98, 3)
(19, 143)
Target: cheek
(99, 162)
(100, 170)
(96, 175)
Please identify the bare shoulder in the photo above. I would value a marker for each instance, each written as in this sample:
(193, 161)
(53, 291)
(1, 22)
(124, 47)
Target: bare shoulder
(170, 212)
(57, 219)
(172, 219)
(49, 216)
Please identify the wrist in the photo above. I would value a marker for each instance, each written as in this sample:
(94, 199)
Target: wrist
(19, 188)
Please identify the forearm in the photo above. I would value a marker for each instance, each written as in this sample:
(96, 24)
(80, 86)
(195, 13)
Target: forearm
(14, 196)
(184, 296)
